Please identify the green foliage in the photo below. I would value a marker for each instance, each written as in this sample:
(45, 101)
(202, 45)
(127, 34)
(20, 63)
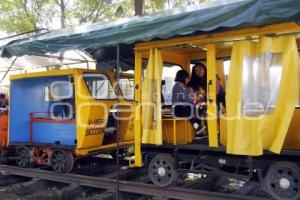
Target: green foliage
(151, 6)
(154, 5)
(183, 3)
(26, 15)
(92, 11)
(21, 15)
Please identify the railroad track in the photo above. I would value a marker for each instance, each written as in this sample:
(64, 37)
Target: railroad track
(109, 184)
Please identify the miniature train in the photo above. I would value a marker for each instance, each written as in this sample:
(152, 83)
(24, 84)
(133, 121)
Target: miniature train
(44, 127)
(255, 138)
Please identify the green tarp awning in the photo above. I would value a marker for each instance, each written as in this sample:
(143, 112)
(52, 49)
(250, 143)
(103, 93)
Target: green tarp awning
(249, 13)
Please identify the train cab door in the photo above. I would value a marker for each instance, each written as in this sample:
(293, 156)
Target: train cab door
(95, 96)
(261, 94)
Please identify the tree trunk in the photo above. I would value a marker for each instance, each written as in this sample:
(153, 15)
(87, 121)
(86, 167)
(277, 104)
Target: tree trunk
(139, 7)
(63, 14)
(62, 5)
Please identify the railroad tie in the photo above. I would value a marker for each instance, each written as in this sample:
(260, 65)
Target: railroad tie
(69, 192)
(29, 187)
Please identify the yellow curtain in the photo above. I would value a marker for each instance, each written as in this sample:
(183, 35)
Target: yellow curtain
(151, 100)
(262, 92)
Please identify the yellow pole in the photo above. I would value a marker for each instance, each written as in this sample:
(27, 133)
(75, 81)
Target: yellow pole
(174, 131)
(137, 118)
(187, 64)
(211, 94)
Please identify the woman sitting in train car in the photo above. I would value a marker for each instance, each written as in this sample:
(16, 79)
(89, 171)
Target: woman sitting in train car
(3, 104)
(198, 78)
(198, 85)
(184, 101)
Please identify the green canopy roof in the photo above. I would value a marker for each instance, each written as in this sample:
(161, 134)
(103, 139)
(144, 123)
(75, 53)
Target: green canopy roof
(250, 13)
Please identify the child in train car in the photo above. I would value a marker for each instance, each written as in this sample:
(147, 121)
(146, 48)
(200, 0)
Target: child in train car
(183, 100)
(198, 85)
(3, 104)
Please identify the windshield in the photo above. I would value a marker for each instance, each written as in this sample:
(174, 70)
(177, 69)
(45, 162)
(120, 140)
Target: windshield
(126, 85)
(99, 86)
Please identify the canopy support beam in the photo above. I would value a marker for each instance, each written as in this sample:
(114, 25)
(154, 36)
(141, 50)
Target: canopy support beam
(211, 96)
(227, 36)
(137, 117)
(118, 127)
(13, 62)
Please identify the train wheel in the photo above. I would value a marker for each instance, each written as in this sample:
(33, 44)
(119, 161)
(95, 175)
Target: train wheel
(282, 181)
(162, 170)
(62, 161)
(24, 157)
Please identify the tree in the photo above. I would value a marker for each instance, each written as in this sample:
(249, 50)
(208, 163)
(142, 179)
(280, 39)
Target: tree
(151, 6)
(139, 7)
(21, 16)
(62, 5)
(93, 11)
(26, 15)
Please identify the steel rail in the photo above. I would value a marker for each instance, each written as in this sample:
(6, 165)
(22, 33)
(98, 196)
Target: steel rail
(125, 186)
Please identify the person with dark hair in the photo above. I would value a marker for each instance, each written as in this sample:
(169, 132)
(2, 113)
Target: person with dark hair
(183, 100)
(221, 102)
(3, 103)
(199, 85)
(181, 95)
(198, 78)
